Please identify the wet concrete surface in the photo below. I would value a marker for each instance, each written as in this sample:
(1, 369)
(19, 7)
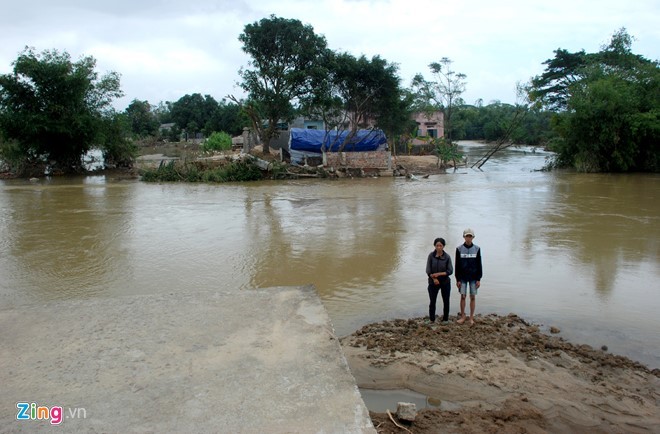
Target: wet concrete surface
(254, 361)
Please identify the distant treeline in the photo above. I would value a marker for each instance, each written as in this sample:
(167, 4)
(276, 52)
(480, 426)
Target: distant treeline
(491, 123)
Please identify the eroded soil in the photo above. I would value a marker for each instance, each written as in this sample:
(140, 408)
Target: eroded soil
(503, 375)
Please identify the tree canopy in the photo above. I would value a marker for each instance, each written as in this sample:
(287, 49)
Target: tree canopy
(142, 118)
(195, 113)
(607, 107)
(284, 54)
(53, 109)
(442, 93)
(192, 113)
(352, 93)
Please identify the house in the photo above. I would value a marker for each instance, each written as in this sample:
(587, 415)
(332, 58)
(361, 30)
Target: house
(430, 124)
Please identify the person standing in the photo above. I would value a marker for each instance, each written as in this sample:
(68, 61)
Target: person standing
(438, 270)
(468, 273)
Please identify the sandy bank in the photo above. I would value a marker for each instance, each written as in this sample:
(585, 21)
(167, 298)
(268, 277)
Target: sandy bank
(503, 375)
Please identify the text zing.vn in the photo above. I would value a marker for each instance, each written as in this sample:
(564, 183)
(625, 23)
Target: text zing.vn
(32, 411)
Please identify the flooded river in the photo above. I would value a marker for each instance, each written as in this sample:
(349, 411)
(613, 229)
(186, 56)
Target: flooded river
(577, 251)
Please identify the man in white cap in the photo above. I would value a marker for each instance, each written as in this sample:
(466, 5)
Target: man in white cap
(468, 272)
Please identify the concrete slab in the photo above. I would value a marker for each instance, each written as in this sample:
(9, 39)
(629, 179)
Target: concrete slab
(254, 361)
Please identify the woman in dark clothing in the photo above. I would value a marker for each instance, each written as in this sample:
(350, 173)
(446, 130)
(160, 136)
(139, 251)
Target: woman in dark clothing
(438, 270)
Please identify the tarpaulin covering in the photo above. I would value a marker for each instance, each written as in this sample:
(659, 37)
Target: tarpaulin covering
(310, 140)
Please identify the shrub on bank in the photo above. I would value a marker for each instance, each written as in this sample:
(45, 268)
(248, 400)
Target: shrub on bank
(218, 141)
(175, 171)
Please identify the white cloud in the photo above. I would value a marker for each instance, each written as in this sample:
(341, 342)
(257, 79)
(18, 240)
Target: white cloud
(166, 48)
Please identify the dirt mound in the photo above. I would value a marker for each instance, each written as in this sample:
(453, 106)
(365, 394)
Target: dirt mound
(503, 375)
(490, 333)
(417, 164)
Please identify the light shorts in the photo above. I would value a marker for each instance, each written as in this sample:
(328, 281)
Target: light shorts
(473, 287)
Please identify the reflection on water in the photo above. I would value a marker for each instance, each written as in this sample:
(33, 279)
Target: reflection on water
(604, 221)
(61, 241)
(316, 234)
(575, 251)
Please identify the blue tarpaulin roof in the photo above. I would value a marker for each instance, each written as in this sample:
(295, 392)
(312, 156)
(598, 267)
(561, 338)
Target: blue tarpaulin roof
(310, 140)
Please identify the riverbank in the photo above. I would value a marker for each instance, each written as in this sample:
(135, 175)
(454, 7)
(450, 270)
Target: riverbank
(191, 166)
(503, 375)
(157, 160)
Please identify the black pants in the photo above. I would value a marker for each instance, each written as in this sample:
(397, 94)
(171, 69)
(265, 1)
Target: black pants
(445, 290)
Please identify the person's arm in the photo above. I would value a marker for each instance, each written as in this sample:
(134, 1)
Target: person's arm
(457, 268)
(480, 271)
(450, 268)
(428, 266)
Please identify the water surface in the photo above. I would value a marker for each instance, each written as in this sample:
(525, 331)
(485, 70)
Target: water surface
(575, 251)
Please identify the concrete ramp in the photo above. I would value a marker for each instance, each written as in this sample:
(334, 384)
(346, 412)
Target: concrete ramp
(252, 361)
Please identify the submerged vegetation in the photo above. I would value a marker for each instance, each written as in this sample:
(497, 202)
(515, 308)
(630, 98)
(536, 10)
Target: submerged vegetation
(193, 171)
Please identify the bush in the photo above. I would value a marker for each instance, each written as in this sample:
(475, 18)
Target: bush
(14, 160)
(118, 149)
(218, 141)
(174, 171)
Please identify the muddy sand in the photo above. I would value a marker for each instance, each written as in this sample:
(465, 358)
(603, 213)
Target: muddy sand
(502, 375)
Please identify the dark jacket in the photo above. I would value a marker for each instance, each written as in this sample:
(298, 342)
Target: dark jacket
(468, 263)
(439, 265)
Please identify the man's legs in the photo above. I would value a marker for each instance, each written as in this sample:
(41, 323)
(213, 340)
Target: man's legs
(472, 285)
(461, 320)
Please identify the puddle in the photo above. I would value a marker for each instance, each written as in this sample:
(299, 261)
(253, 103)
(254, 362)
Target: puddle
(381, 400)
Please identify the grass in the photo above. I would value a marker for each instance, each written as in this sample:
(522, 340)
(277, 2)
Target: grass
(177, 171)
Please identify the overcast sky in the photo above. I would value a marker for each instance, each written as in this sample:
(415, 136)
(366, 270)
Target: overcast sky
(165, 49)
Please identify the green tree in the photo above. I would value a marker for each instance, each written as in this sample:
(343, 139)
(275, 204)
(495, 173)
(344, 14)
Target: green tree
(53, 109)
(552, 88)
(228, 117)
(442, 93)
(356, 93)
(162, 112)
(396, 118)
(608, 114)
(142, 118)
(284, 54)
(608, 128)
(119, 150)
(491, 122)
(194, 114)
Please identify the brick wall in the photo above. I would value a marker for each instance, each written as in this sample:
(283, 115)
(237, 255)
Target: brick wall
(362, 160)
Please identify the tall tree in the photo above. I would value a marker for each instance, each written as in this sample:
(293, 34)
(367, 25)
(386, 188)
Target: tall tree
(608, 114)
(443, 92)
(143, 121)
(551, 89)
(53, 109)
(284, 53)
(194, 113)
(358, 93)
(228, 118)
